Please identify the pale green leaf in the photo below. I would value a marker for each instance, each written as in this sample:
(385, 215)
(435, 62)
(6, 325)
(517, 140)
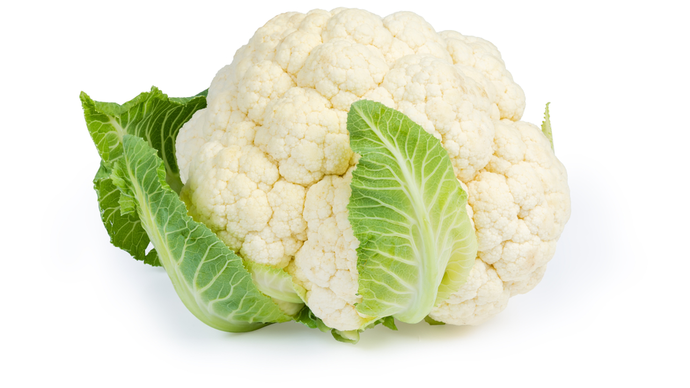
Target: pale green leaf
(276, 283)
(408, 211)
(209, 278)
(546, 125)
(125, 230)
(349, 336)
(153, 116)
(307, 318)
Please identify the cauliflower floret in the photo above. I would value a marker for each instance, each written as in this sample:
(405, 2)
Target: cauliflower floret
(267, 165)
(305, 137)
(481, 297)
(520, 203)
(447, 104)
(484, 57)
(327, 263)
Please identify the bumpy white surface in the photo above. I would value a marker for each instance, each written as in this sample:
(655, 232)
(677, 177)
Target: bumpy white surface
(266, 164)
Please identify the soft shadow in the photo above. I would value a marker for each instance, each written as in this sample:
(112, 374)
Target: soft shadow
(382, 337)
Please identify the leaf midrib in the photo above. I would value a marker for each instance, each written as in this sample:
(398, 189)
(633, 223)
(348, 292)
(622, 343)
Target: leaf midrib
(421, 214)
(119, 130)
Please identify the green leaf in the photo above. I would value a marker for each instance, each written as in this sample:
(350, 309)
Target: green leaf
(408, 211)
(389, 322)
(432, 321)
(152, 116)
(136, 142)
(125, 230)
(307, 318)
(546, 125)
(349, 336)
(276, 283)
(156, 118)
(209, 278)
(352, 336)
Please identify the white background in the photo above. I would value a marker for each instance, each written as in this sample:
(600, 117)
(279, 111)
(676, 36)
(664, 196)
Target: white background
(612, 309)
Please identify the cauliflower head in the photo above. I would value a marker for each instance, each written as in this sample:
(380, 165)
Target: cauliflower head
(267, 165)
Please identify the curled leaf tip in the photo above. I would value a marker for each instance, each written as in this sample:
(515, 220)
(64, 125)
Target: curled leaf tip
(546, 125)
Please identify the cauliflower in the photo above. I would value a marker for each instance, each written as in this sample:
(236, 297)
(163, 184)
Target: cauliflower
(268, 165)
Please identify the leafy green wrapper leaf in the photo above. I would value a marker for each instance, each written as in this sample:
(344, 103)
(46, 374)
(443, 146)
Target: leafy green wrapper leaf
(153, 116)
(408, 211)
(276, 283)
(136, 143)
(307, 318)
(125, 230)
(209, 278)
(546, 125)
(349, 336)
